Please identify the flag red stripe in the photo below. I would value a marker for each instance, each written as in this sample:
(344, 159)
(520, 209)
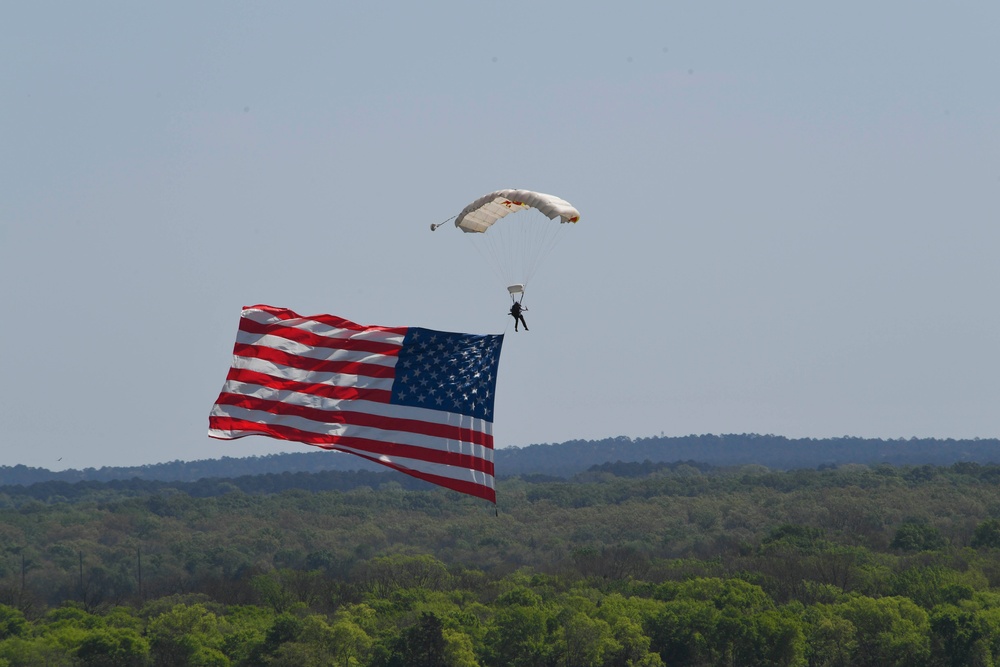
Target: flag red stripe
(356, 418)
(376, 447)
(329, 320)
(309, 364)
(470, 488)
(312, 388)
(311, 339)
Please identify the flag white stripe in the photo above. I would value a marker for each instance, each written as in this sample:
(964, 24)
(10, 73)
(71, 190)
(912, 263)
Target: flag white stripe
(311, 352)
(439, 469)
(302, 375)
(354, 405)
(387, 436)
(326, 330)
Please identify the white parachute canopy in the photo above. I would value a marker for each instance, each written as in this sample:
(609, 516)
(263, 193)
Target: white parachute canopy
(515, 244)
(481, 214)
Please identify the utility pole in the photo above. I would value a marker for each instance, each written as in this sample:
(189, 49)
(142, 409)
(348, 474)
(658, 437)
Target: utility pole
(82, 597)
(138, 558)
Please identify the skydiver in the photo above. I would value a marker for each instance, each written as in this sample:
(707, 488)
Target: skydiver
(515, 312)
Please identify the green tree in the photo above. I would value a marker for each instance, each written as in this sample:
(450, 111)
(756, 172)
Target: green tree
(187, 635)
(888, 631)
(458, 649)
(348, 641)
(271, 591)
(831, 639)
(300, 654)
(286, 628)
(585, 641)
(385, 574)
(521, 632)
(960, 637)
(311, 643)
(932, 585)
(778, 639)
(682, 632)
(627, 616)
(420, 645)
(987, 535)
(42, 651)
(243, 630)
(114, 647)
(12, 622)
(914, 535)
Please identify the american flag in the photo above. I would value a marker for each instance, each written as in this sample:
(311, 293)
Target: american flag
(417, 400)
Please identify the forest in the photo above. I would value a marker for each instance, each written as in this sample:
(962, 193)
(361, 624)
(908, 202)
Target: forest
(633, 563)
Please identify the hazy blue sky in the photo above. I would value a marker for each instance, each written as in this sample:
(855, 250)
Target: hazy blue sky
(789, 210)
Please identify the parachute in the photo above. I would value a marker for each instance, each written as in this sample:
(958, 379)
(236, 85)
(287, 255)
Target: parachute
(514, 245)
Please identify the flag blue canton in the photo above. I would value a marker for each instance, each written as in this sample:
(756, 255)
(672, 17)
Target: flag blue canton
(446, 371)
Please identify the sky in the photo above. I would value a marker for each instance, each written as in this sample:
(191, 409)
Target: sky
(789, 211)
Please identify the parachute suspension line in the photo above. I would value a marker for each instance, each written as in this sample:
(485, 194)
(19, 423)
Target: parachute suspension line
(513, 231)
(540, 247)
(490, 249)
(515, 248)
(538, 237)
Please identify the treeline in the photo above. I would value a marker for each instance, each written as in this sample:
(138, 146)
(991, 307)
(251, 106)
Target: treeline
(60, 491)
(625, 564)
(312, 460)
(64, 492)
(569, 458)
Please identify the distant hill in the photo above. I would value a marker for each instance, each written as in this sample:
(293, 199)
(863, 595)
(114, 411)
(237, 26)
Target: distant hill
(773, 451)
(568, 458)
(227, 467)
